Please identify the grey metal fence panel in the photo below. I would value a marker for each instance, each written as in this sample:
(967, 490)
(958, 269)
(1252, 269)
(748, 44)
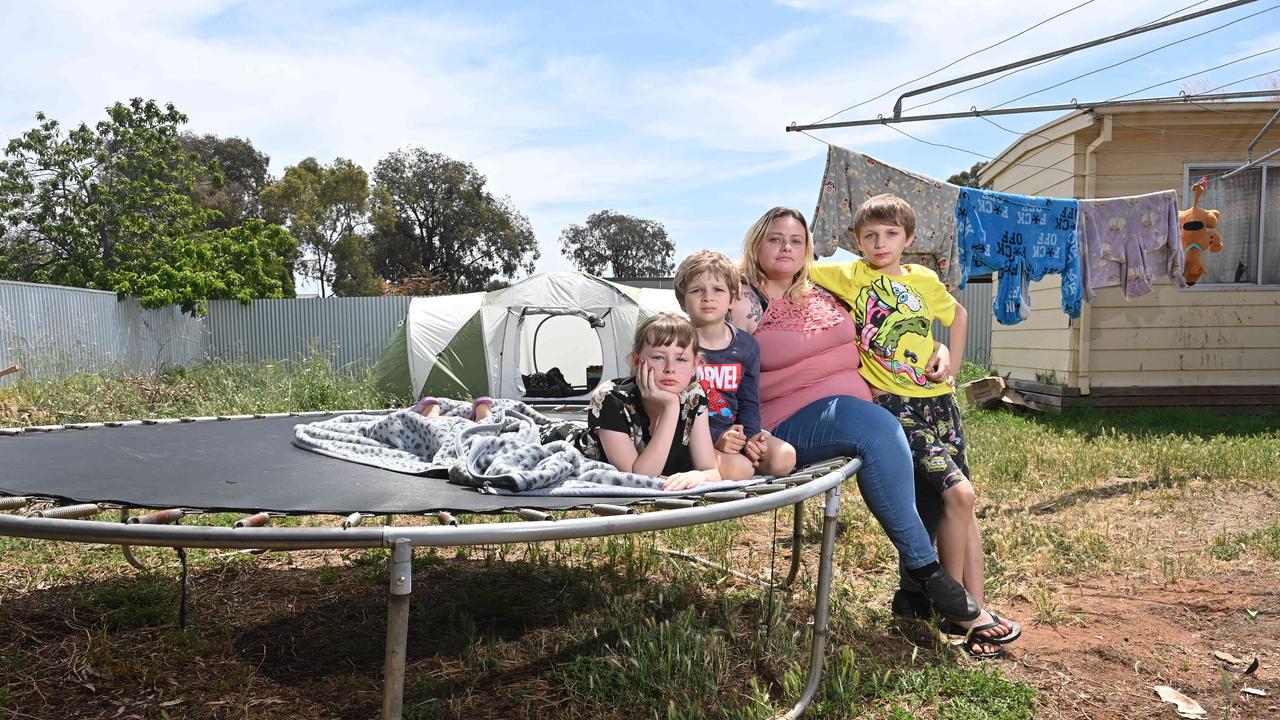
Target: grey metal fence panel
(352, 331)
(56, 331)
(976, 298)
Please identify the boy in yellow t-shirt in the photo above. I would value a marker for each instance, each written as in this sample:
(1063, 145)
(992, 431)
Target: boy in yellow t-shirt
(893, 307)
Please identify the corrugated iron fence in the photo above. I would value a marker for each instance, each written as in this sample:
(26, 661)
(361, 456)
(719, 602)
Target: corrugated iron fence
(352, 331)
(55, 331)
(60, 331)
(976, 298)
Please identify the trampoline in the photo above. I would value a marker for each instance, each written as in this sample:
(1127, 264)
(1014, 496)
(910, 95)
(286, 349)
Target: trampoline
(55, 477)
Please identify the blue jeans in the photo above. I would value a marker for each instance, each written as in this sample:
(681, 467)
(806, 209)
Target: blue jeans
(844, 425)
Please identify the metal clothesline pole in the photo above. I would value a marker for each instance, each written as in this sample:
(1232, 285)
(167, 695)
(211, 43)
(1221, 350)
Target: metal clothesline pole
(897, 107)
(1248, 156)
(974, 113)
(1250, 164)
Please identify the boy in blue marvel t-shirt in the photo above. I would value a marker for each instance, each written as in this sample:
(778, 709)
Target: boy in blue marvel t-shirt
(706, 285)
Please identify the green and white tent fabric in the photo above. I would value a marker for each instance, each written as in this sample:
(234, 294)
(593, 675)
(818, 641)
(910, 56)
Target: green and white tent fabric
(461, 346)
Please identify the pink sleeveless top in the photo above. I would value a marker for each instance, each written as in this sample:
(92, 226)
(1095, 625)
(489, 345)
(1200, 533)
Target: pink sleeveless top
(807, 352)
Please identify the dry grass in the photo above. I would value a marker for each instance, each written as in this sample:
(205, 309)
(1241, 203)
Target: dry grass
(1078, 513)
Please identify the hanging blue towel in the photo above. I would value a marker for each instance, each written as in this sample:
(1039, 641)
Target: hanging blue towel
(1023, 238)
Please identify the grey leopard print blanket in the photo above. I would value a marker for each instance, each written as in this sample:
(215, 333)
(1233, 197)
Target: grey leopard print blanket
(502, 454)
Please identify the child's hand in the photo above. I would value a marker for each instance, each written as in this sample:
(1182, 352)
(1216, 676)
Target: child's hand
(684, 480)
(757, 446)
(732, 440)
(646, 380)
(939, 367)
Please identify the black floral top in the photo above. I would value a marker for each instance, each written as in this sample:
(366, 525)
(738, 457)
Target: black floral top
(616, 405)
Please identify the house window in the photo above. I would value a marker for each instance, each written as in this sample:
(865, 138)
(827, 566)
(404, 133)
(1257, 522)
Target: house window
(1249, 203)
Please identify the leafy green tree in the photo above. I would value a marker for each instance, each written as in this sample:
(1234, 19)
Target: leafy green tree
(234, 190)
(352, 272)
(433, 217)
(320, 205)
(969, 178)
(109, 207)
(630, 247)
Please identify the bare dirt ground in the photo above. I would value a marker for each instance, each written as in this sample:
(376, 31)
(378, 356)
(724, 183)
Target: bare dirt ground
(1135, 633)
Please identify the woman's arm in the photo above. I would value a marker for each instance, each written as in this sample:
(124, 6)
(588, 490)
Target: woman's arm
(747, 310)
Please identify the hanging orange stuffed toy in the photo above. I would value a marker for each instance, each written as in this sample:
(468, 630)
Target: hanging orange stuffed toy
(1197, 235)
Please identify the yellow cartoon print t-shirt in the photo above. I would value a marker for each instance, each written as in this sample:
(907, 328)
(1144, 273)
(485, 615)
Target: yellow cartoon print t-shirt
(894, 317)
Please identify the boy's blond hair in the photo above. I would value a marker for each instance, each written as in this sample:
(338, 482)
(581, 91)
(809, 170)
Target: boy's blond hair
(888, 209)
(666, 329)
(751, 243)
(710, 262)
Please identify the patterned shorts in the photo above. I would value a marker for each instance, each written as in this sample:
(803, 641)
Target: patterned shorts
(935, 436)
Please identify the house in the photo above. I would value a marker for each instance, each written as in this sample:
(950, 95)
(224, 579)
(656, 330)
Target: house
(1214, 344)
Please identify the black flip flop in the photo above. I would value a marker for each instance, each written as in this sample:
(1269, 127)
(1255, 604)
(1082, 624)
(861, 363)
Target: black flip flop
(1015, 631)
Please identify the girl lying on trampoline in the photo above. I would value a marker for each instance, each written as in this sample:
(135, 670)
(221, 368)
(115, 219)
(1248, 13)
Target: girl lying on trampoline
(652, 423)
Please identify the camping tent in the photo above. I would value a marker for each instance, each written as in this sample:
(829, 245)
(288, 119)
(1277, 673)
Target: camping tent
(481, 343)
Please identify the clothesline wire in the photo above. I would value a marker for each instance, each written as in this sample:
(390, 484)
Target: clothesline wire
(1251, 77)
(1166, 131)
(1135, 57)
(1050, 141)
(991, 159)
(1200, 72)
(1034, 65)
(966, 57)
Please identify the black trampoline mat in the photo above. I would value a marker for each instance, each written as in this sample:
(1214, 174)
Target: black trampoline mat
(244, 465)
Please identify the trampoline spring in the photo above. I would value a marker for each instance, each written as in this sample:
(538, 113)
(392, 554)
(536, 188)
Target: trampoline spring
(674, 503)
(159, 517)
(797, 479)
(725, 495)
(447, 518)
(763, 489)
(604, 509)
(353, 520)
(534, 515)
(14, 503)
(44, 428)
(255, 520)
(69, 512)
(264, 416)
(234, 417)
(197, 418)
(161, 421)
(13, 431)
(122, 423)
(85, 425)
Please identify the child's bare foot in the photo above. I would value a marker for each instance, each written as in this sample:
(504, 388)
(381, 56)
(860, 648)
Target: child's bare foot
(481, 407)
(427, 406)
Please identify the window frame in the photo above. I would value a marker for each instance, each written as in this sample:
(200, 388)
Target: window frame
(1262, 224)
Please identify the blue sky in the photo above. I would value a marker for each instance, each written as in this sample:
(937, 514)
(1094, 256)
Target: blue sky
(671, 111)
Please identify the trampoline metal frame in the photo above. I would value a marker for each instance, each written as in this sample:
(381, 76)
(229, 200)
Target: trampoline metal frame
(402, 539)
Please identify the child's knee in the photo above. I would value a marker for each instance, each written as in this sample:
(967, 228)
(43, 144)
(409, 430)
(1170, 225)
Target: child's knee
(734, 466)
(959, 497)
(779, 458)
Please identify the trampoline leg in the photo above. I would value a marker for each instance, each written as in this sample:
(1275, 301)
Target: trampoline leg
(821, 611)
(401, 586)
(797, 542)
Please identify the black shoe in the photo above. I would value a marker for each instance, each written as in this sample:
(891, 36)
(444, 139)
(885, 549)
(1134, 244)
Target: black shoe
(913, 605)
(949, 597)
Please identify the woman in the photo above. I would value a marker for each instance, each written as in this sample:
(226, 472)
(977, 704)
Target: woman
(812, 397)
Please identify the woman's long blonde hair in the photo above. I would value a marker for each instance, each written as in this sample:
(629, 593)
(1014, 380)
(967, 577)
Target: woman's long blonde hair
(750, 265)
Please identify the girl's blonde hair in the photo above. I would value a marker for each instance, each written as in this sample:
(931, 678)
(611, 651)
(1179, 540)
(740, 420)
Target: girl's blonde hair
(751, 244)
(666, 329)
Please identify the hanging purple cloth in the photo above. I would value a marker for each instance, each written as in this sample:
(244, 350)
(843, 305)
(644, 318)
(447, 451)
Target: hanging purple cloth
(1127, 241)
